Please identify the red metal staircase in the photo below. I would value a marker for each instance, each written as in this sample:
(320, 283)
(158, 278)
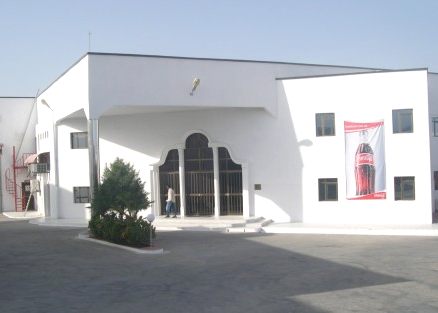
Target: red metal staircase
(11, 184)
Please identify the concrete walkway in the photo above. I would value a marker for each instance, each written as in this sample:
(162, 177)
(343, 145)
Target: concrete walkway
(379, 230)
(241, 225)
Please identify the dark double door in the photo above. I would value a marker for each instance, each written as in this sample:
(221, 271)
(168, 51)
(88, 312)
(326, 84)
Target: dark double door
(199, 179)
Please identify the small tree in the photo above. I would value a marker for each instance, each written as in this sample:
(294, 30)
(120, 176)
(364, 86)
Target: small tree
(115, 206)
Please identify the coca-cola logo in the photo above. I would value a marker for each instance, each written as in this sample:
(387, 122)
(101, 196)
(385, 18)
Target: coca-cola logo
(364, 159)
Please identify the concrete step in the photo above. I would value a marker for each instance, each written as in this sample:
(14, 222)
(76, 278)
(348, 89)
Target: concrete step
(252, 225)
(198, 223)
(223, 223)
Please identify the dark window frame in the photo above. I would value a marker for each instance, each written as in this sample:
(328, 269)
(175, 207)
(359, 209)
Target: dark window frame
(323, 189)
(79, 196)
(398, 117)
(325, 124)
(401, 188)
(77, 140)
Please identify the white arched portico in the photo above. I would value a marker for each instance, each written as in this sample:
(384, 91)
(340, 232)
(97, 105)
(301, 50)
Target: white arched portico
(186, 204)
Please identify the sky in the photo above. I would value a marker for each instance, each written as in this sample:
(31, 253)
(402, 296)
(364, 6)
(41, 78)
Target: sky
(40, 39)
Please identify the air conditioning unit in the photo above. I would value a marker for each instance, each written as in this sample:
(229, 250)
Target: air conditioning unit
(34, 186)
(38, 168)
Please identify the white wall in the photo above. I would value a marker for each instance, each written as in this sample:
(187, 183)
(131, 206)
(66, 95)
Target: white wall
(123, 80)
(73, 171)
(433, 109)
(363, 98)
(67, 95)
(252, 136)
(17, 126)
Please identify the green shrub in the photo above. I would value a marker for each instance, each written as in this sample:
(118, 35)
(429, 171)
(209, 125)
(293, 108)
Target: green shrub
(115, 205)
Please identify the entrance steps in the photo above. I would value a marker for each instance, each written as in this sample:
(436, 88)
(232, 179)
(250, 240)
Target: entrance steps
(223, 223)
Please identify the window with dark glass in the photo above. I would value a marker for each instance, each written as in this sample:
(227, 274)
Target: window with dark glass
(325, 124)
(435, 126)
(404, 188)
(328, 189)
(79, 140)
(402, 121)
(81, 194)
(435, 179)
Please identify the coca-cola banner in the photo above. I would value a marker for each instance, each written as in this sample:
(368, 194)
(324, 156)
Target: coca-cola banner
(365, 160)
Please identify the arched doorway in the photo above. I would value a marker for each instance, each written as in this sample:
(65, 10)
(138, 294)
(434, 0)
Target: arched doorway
(199, 176)
(169, 175)
(210, 180)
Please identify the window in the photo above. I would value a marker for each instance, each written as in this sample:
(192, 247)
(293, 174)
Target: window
(79, 140)
(328, 189)
(402, 121)
(325, 124)
(404, 188)
(435, 126)
(435, 179)
(81, 194)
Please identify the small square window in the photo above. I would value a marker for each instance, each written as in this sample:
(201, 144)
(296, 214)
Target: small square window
(402, 121)
(81, 194)
(79, 140)
(404, 188)
(325, 124)
(328, 189)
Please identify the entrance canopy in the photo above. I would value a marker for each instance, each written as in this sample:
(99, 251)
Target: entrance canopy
(31, 159)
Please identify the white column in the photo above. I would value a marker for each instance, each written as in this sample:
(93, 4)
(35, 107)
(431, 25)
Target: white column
(54, 189)
(217, 199)
(182, 182)
(245, 191)
(93, 154)
(156, 191)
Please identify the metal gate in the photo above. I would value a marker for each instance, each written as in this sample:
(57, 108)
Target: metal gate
(169, 175)
(230, 181)
(199, 176)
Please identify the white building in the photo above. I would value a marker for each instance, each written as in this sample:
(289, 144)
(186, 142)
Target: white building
(17, 142)
(250, 138)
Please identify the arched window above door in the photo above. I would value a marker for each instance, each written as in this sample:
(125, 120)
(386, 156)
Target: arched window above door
(197, 140)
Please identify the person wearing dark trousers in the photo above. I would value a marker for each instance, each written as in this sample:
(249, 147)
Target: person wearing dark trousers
(170, 202)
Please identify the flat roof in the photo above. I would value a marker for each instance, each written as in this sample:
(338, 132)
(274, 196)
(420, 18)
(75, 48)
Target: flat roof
(220, 60)
(355, 73)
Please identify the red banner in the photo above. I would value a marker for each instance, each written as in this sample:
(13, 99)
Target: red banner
(365, 160)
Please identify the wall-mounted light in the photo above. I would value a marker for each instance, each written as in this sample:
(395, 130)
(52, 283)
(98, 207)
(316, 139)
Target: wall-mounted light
(195, 85)
(43, 101)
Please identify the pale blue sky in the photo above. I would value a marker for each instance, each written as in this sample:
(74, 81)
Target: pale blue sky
(40, 39)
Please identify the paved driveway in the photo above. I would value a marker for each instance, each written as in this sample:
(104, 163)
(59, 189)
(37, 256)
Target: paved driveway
(44, 269)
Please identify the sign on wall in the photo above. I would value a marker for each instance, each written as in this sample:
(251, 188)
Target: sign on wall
(365, 160)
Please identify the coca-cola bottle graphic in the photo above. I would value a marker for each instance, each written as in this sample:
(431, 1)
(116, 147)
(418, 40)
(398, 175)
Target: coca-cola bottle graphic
(365, 170)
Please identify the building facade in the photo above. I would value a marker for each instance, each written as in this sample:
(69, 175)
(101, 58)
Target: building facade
(17, 128)
(244, 138)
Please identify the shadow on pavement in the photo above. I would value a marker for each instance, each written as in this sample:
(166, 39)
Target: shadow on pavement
(204, 272)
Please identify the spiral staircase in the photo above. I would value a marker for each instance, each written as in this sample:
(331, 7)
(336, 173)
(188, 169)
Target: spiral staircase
(12, 179)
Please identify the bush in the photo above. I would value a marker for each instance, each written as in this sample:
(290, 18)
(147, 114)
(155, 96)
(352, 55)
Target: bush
(115, 205)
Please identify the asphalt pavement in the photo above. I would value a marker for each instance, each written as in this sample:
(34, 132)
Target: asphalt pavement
(47, 269)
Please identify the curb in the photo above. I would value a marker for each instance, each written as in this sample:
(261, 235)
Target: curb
(17, 217)
(151, 251)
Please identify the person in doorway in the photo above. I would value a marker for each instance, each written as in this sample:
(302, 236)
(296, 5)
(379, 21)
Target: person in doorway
(170, 202)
